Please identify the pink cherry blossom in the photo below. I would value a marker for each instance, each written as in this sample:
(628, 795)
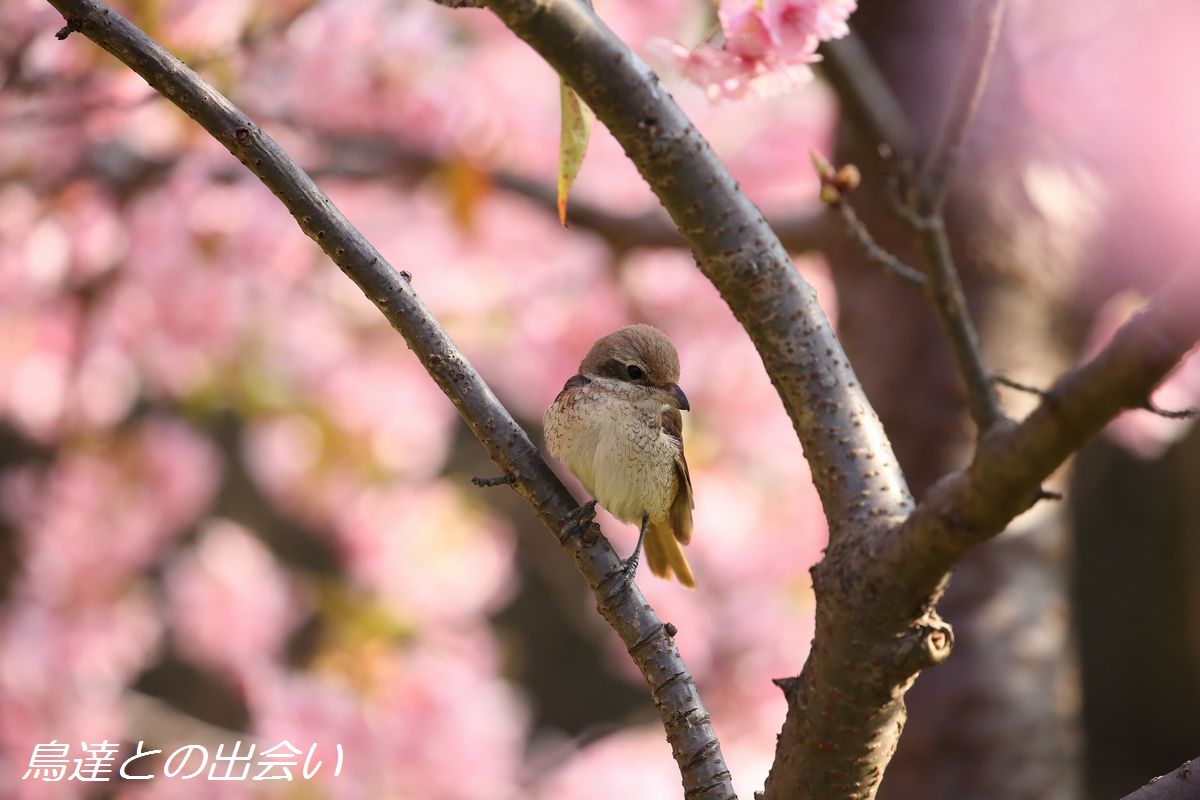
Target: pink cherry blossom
(765, 48)
(134, 494)
(429, 556)
(230, 605)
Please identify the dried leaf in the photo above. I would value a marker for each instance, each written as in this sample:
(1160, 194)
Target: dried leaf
(573, 141)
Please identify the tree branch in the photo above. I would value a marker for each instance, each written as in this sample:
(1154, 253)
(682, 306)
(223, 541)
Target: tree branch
(885, 589)
(836, 187)
(851, 734)
(870, 104)
(874, 253)
(799, 233)
(1182, 784)
(875, 627)
(944, 287)
(945, 292)
(968, 507)
(874, 109)
(866, 98)
(364, 157)
(649, 641)
(943, 157)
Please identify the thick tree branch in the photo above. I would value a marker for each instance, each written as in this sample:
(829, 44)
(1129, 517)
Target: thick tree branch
(1182, 784)
(970, 506)
(884, 590)
(649, 641)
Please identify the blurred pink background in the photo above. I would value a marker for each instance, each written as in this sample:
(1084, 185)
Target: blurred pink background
(234, 505)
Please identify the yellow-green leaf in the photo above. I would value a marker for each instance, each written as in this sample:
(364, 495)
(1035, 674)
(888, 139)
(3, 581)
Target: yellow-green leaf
(572, 144)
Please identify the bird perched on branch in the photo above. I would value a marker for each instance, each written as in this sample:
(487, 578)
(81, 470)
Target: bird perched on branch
(617, 426)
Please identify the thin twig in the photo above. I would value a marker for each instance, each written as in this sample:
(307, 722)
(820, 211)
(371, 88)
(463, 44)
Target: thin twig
(866, 98)
(871, 105)
(945, 292)
(944, 286)
(1004, 380)
(943, 157)
(836, 186)
(1183, 413)
(899, 196)
(508, 445)
(876, 254)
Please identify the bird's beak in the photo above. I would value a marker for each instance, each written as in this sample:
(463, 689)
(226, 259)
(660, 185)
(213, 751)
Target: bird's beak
(679, 398)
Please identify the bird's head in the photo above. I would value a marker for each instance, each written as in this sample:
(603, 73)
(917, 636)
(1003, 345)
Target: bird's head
(640, 355)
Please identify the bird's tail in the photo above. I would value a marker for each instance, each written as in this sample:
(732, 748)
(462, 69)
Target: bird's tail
(665, 555)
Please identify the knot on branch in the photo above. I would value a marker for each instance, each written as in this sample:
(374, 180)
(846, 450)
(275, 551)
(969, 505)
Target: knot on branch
(927, 643)
(665, 630)
(507, 479)
(72, 26)
(789, 686)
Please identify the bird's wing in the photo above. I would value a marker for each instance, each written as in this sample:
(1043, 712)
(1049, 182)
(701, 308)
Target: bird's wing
(573, 382)
(681, 508)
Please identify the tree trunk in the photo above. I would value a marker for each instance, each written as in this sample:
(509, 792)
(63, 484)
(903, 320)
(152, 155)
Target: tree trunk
(1000, 718)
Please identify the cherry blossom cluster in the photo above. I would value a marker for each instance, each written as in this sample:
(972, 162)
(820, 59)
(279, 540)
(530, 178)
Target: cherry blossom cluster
(763, 48)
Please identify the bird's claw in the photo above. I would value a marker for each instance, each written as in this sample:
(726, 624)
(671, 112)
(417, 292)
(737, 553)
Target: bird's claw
(622, 576)
(628, 570)
(579, 519)
(629, 566)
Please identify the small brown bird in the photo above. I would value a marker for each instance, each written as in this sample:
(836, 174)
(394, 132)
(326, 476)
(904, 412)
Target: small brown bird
(617, 427)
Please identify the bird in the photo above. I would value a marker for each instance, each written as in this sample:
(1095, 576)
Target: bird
(617, 427)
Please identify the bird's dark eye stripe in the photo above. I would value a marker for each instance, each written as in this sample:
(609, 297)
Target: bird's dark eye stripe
(634, 372)
(613, 368)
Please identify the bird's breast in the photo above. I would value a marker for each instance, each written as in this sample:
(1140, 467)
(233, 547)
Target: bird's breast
(618, 451)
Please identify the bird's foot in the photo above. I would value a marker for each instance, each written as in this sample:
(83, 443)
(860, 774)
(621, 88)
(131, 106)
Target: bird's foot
(579, 520)
(620, 578)
(628, 570)
(624, 576)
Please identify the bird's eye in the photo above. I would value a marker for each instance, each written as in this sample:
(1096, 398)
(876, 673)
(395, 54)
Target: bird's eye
(634, 372)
